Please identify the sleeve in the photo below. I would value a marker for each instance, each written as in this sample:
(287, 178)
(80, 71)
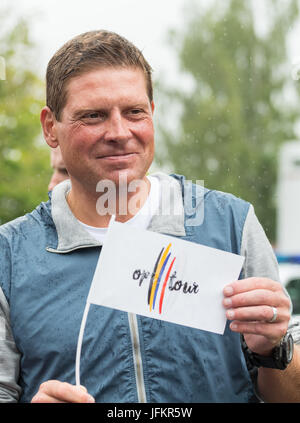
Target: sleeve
(9, 355)
(294, 329)
(260, 259)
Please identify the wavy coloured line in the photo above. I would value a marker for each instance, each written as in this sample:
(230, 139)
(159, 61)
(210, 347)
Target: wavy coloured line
(153, 275)
(164, 285)
(159, 278)
(160, 264)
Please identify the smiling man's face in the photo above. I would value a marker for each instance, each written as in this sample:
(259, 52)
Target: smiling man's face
(106, 128)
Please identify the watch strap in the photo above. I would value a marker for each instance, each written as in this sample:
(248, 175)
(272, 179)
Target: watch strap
(274, 361)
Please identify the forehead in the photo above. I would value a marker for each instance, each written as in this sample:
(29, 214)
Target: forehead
(107, 85)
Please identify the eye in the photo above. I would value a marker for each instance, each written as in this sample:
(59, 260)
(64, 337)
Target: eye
(93, 115)
(136, 113)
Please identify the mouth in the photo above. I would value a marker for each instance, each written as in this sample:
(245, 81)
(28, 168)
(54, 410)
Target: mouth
(118, 156)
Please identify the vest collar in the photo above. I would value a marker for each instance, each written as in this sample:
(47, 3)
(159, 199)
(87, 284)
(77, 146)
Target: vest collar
(169, 218)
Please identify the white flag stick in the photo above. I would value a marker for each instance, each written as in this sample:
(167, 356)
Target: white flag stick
(82, 327)
(79, 343)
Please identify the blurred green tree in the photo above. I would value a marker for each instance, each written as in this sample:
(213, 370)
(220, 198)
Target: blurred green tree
(24, 158)
(234, 116)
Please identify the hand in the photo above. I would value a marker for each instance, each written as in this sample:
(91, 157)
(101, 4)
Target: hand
(249, 305)
(56, 391)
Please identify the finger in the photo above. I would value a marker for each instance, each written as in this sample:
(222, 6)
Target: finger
(41, 397)
(250, 284)
(256, 297)
(65, 392)
(257, 313)
(269, 330)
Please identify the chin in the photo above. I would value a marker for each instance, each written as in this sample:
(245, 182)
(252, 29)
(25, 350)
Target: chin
(126, 175)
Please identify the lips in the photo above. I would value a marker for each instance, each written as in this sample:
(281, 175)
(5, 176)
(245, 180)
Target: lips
(116, 156)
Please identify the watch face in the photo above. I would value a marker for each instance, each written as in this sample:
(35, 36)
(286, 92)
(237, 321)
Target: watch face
(289, 348)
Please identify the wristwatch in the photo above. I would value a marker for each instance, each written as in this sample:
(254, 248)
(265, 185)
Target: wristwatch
(280, 357)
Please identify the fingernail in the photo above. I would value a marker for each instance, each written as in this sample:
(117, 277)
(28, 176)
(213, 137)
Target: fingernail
(91, 399)
(228, 290)
(35, 398)
(230, 314)
(227, 302)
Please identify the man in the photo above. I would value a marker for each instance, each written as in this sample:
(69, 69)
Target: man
(100, 113)
(60, 172)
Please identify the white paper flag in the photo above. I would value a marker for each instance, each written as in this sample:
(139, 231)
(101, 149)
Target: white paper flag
(163, 277)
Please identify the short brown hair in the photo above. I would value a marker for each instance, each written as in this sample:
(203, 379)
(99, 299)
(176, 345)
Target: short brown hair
(87, 52)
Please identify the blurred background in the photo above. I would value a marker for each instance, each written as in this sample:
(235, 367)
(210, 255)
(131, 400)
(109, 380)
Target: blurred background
(226, 92)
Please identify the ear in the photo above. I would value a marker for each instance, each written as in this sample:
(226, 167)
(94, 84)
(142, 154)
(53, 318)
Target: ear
(48, 123)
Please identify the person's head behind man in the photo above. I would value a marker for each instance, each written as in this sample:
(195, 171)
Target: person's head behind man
(99, 109)
(60, 172)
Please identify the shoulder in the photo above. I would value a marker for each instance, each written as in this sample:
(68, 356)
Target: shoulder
(213, 201)
(197, 187)
(226, 199)
(39, 216)
(19, 238)
(25, 230)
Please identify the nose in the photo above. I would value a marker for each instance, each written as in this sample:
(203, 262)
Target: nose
(117, 127)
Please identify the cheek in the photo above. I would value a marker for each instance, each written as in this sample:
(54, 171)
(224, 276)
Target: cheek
(145, 132)
(80, 138)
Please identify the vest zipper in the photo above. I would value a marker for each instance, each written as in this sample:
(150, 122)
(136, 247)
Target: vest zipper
(137, 358)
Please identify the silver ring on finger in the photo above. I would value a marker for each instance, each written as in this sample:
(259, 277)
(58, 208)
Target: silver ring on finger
(273, 319)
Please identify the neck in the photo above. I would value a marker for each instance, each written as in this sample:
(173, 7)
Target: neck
(95, 209)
